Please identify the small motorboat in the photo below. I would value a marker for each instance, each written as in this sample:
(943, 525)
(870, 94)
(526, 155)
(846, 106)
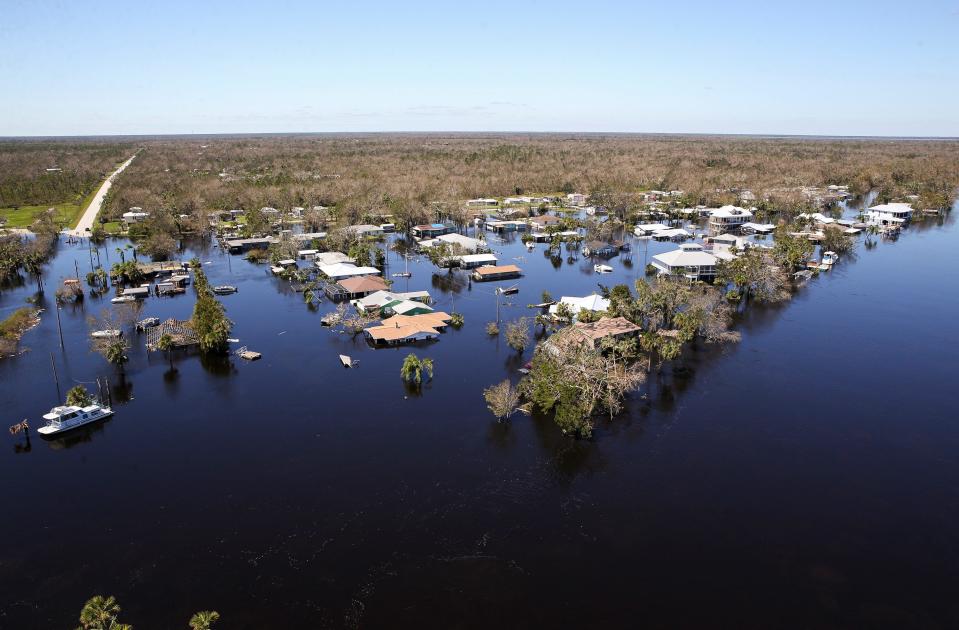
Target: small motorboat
(109, 333)
(602, 269)
(123, 299)
(225, 289)
(347, 361)
(513, 290)
(149, 322)
(66, 417)
(530, 245)
(402, 274)
(829, 259)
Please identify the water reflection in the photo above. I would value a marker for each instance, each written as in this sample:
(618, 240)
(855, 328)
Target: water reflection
(75, 437)
(220, 365)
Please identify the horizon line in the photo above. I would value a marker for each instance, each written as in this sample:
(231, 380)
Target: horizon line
(471, 133)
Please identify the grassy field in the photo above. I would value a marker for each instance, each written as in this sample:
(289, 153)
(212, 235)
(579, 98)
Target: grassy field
(68, 214)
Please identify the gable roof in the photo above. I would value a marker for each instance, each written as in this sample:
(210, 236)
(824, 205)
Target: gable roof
(363, 284)
(492, 271)
(594, 331)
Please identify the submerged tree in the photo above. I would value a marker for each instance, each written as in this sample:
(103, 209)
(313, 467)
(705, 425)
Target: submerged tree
(204, 620)
(413, 369)
(78, 396)
(100, 613)
(165, 345)
(517, 334)
(209, 318)
(502, 399)
(791, 252)
(754, 274)
(836, 240)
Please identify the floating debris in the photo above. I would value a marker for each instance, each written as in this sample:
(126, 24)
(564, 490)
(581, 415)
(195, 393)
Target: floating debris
(249, 355)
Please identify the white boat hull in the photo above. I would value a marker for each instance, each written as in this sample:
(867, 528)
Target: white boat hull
(81, 418)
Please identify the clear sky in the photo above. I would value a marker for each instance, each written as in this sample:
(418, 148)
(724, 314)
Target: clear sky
(833, 68)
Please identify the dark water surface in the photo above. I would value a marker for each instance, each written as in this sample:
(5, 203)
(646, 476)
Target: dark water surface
(806, 477)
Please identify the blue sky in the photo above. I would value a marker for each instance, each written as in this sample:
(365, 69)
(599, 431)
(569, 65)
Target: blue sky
(835, 68)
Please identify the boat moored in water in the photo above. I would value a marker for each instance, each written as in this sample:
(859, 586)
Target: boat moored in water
(225, 289)
(602, 269)
(67, 417)
(123, 299)
(110, 333)
(149, 322)
(830, 258)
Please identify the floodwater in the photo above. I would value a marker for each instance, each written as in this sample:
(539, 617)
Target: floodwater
(807, 476)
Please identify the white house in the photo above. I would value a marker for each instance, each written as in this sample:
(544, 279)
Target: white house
(672, 234)
(482, 202)
(331, 258)
(729, 218)
(135, 215)
(645, 229)
(471, 261)
(576, 199)
(689, 261)
(889, 213)
(364, 229)
(339, 271)
(758, 228)
(467, 243)
(595, 303)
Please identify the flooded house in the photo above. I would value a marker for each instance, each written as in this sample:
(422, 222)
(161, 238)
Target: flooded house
(465, 242)
(592, 334)
(543, 221)
(889, 214)
(647, 229)
(689, 261)
(594, 303)
(383, 302)
(601, 249)
(364, 230)
(677, 235)
(472, 261)
(242, 245)
(728, 218)
(355, 287)
(321, 259)
(339, 271)
(401, 329)
(432, 230)
(500, 272)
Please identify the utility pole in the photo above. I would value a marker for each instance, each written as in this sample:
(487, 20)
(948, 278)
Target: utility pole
(55, 378)
(59, 328)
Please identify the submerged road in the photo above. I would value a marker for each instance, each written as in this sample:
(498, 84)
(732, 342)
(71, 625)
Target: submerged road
(90, 214)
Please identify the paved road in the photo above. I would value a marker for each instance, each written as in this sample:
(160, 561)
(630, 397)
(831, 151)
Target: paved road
(89, 216)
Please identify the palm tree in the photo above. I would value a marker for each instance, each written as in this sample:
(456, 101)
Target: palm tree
(100, 613)
(165, 345)
(413, 368)
(116, 353)
(204, 619)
